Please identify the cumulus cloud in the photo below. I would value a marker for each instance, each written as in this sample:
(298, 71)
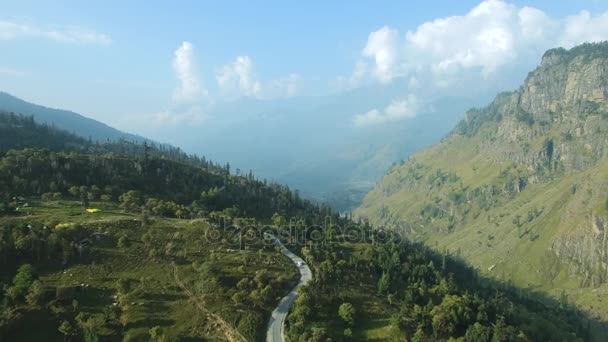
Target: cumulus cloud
(382, 47)
(491, 35)
(238, 78)
(186, 71)
(483, 38)
(584, 27)
(12, 30)
(396, 110)
(189, 96)
(451, 53)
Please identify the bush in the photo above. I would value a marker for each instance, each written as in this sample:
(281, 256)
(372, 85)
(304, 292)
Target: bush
(251, 323)
(47, 196)
(347, 313)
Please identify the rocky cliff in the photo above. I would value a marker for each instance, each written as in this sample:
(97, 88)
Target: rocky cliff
(520, 187)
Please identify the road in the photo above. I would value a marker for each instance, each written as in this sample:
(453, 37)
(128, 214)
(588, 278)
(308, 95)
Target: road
(276, 325)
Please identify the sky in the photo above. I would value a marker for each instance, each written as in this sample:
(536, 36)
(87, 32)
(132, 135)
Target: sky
(140, 63)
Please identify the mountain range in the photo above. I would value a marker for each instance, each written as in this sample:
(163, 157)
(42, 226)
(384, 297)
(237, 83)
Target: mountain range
(308, 143)
(519, 188)
(65, 120)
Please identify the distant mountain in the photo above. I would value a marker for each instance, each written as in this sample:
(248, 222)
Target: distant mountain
(520, 187)
(312, 144)
(65, 120)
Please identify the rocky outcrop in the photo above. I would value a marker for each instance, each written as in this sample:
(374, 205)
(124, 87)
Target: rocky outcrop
(585, 251)
(563, 101)
(542, 183)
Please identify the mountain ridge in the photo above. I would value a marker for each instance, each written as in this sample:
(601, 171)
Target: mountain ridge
(519, 186)
(65, 119)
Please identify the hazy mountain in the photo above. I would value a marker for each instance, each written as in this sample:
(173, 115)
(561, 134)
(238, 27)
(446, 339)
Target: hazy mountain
(312, 144)
(63, 119)
(308, 143)
(519, 189)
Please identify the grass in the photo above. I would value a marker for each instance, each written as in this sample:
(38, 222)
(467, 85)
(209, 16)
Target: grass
(489, 237)
(155, 299)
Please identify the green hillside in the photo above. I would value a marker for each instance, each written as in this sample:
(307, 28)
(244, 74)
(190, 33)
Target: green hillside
(519, 189)
(147, 245)
(65, 120)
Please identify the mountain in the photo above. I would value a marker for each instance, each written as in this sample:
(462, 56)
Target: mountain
(119, 241)
(63, 119)
(312, 144)
(519, 189)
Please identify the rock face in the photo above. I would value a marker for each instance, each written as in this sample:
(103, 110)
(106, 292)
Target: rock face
(564, 99)
(585, 251)
(521, 183)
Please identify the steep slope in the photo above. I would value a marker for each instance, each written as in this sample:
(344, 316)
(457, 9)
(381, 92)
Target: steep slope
(98, 244)
(66, 120)
(520, 187)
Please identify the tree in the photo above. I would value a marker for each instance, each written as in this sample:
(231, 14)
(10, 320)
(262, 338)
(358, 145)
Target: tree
(35, 294)
(346, 311)
(384, 283)
(123, 242)
(74, 191)
(21, 282)
(67, 330)
(239, 297)
(477, 333)
(84, 200)
(131, 200)
(94, 192)
(90, 326)
(156, 334)
(123, 285)
(278, 220)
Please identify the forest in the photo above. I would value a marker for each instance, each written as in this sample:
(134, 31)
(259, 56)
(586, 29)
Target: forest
(108, 242)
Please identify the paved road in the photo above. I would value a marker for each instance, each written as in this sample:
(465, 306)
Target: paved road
(276, 325)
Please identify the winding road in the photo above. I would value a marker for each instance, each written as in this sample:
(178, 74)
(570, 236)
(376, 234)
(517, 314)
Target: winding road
(276, 325)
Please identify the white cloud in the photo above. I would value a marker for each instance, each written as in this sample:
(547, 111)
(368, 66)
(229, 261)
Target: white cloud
(535, 25)
(12, 30)
(238, 78)
(449, 54)
(490, 36)
(186, 71)
(356, 78)
(583, 27)
(484, 38)
(382, 47)
(396, 110)
(189, 96)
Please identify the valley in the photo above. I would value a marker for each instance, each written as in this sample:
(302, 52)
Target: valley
(309, 171)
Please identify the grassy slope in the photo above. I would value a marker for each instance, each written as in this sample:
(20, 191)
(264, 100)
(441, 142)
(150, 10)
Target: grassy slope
(158, 301)
(489, 237)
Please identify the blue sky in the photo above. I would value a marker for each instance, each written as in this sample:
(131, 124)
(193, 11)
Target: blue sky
(114, 61)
